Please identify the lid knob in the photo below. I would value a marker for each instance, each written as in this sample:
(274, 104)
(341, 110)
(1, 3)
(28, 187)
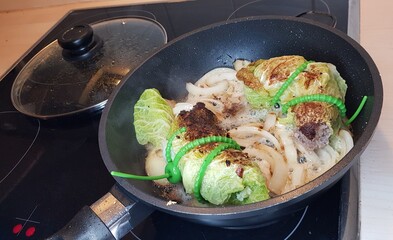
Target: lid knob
(79, 42)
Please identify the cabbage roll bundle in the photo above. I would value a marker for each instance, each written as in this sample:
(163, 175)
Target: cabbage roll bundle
(232, 176)
(314, 121)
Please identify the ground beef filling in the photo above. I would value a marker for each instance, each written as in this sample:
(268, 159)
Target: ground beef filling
(313, 135)
(200, 122)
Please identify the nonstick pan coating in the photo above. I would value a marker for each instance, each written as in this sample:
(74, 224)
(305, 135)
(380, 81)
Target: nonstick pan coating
(188, 57)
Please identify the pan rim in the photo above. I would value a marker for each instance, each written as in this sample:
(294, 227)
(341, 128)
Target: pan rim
(288, 198)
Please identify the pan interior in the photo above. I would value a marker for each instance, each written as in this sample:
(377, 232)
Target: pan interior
(186, 59)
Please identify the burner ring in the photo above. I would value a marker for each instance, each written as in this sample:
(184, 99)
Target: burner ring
(12, 127)
(319, 16)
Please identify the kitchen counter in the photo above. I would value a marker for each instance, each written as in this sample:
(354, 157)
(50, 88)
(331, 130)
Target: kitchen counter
(20, 29)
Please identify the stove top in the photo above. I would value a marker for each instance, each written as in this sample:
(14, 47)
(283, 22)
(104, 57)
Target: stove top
(51, 169)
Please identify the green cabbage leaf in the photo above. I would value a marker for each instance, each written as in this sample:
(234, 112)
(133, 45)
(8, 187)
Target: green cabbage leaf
(220, 183)
(153, 118)
(257, 98)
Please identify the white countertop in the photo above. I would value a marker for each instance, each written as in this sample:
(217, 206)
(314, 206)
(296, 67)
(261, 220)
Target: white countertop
(376, 166)
(21, 29)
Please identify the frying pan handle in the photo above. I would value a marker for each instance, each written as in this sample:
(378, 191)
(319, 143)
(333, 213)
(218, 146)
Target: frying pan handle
(111, 217)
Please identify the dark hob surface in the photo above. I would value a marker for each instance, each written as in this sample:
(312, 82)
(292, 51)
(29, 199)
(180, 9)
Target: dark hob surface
(51, 169)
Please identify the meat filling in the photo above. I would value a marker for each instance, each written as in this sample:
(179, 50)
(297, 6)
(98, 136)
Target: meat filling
(313, 135)
(200, 122)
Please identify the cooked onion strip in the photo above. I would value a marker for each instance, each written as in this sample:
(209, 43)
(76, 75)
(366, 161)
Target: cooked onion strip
(341, 147)
(324, 155)
(216, 106)
(289, 145)
(346, 136)
(216, 75)
(310, 156)
(155, 165)
(298, 176)
(217, 89)
(247, 135)
(182, 106)
(279, 167)
(334, 155)
(240, 63)
(270, 121)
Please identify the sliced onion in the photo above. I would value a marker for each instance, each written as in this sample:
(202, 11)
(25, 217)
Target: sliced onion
(333, 153)
(215, 75)
(289, 145)
(217, 89)
(270, 121)
(280, 170)
(264, 165)
(252, 133)
(342, 146)
(324, 155)
(298, 175)
(213, 105)
(182, 106)
(346, 136)
(240, 63)
(155, 165)
(311, 156)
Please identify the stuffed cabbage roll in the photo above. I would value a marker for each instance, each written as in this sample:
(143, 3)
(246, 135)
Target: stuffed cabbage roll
(232, 177)
(315, 122)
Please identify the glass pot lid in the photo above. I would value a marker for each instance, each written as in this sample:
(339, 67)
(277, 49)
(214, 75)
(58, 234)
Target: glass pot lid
(78, 72)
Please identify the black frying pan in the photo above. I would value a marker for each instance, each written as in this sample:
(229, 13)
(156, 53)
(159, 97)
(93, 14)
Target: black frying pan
(187, 58)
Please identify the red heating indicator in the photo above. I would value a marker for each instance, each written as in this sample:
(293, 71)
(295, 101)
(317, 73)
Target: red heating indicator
(20, 228)
(17, 228)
